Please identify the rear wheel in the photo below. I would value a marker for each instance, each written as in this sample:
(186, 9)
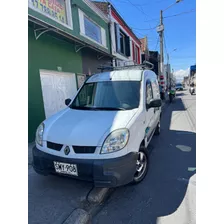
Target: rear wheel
(142, 164)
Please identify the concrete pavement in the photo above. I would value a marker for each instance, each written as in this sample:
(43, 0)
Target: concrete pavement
(53, 199)
(167, 195)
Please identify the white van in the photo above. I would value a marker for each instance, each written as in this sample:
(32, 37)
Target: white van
(103, 134)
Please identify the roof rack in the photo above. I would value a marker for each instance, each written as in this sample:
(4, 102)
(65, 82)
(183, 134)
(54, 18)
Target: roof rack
(143, 66)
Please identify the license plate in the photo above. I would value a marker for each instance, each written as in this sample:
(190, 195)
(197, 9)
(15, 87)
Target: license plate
(66, 168)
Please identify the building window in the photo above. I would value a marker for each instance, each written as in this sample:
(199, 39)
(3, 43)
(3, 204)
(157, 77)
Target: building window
(135, 53)
(122, 41)
(57, 10)
(91, 30)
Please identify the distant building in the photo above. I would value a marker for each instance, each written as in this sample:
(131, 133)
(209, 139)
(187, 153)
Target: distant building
(154, 58)
(192, 75)
(144, 49)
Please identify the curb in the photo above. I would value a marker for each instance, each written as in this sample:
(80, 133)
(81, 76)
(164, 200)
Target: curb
(97, 195)
(78, 216)
(92, 205)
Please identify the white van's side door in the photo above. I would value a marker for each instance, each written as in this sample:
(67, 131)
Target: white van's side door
(149, 112)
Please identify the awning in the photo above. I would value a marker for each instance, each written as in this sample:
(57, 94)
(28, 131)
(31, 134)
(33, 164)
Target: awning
(40, 28)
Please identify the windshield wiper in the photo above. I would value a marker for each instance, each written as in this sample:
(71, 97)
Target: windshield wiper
(96, 108)
(80, 108)
(107, 108)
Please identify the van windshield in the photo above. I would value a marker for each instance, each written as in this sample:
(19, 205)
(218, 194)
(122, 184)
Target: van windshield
(108, 95)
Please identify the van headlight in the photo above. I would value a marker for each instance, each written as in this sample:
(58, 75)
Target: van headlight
(115, 141)
(39, 134)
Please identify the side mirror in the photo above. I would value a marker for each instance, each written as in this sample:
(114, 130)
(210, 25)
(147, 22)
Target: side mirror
(154, 103)
(67, 102)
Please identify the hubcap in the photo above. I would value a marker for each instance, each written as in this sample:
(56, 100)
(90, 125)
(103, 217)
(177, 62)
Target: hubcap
(140, 166)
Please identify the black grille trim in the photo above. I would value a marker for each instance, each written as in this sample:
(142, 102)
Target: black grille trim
(84, 149)
(54, 146)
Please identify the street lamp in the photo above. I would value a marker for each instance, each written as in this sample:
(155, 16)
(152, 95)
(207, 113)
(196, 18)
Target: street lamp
(177, 1)
(160, 30)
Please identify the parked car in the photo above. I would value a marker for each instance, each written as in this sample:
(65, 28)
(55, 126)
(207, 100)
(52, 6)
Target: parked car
(103, 134)
(179, 86)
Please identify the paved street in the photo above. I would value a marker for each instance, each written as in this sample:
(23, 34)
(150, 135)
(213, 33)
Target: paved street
(167, 195)
(52, 199)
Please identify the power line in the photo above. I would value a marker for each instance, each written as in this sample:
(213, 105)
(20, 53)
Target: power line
(126, 1)
(139, 9)
(147, 28)
(144, 29)
(193, 10)
(141, 34)
(165, 17)
(111, 2)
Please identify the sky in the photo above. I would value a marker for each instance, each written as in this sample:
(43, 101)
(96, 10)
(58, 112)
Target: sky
(180, 28)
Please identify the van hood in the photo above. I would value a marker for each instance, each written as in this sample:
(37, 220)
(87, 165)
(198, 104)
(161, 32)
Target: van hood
(84, 127)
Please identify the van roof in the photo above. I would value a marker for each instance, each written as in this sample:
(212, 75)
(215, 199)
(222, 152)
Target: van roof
(132, 75)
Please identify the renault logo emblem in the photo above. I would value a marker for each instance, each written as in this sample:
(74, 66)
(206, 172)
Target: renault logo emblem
(67, 150)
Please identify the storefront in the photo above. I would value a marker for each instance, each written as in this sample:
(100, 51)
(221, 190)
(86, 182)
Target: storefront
(52, 77)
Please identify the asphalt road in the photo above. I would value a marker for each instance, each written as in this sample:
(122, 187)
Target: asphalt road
(167, 194)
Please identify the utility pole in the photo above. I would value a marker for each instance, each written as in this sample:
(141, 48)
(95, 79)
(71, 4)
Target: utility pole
(161, 42)
(160, 30)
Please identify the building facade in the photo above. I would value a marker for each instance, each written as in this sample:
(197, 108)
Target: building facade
(144, 49)
(125, 46)
(67, 40)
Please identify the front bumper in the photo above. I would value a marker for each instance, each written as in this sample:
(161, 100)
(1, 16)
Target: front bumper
(103, 172)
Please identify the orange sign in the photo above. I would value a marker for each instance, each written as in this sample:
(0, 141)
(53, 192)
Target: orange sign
(53, 8)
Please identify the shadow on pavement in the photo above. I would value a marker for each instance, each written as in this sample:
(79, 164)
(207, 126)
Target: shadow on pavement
(173, 154)
(180, 93)
(171, 166)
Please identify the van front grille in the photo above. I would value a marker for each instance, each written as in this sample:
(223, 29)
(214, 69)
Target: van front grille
(84, 149)
(54, 146)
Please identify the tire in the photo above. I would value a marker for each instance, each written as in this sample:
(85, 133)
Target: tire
(139, 176)
(158, 130)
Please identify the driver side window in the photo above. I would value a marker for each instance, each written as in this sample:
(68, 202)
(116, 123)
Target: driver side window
(149, 95)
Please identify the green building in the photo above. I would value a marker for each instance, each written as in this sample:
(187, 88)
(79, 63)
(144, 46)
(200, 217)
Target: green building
(67, 41)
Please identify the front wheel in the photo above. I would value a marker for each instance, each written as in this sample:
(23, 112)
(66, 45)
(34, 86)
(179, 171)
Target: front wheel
(142, 164)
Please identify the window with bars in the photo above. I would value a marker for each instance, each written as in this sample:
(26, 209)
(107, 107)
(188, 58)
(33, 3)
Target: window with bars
(122, 41)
